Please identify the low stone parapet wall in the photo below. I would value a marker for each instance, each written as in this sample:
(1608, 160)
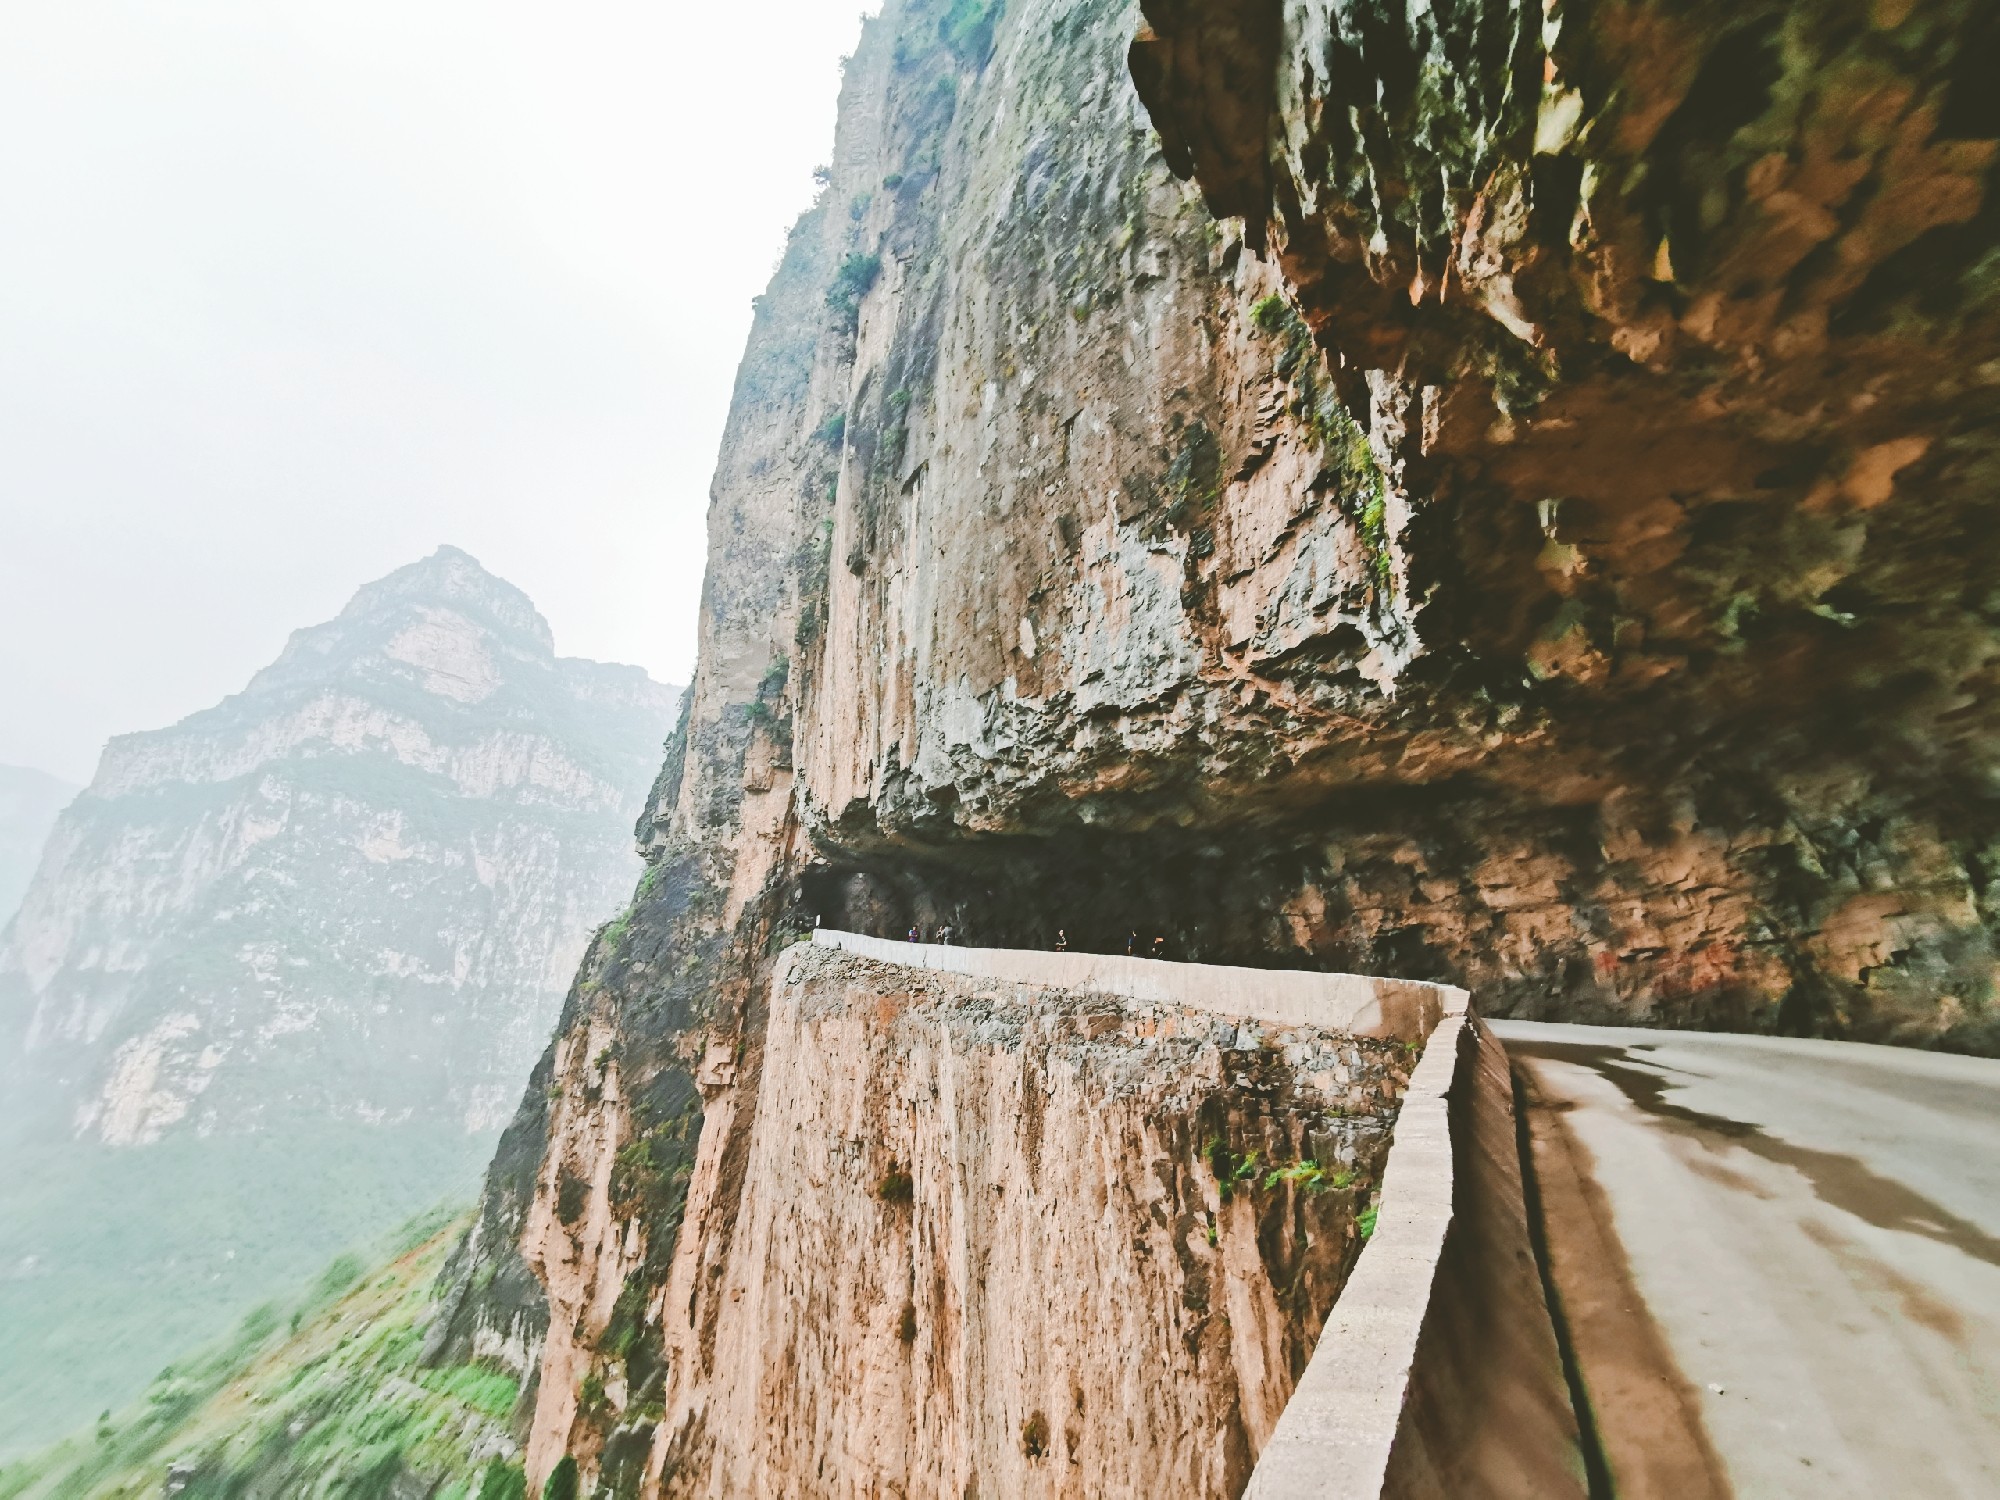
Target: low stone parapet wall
(1437, 1373)
(1406, 1009)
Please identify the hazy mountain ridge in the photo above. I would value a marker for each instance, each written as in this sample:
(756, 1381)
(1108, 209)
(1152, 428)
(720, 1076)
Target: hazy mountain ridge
(29, 803)
(417, 794)
(284, 964)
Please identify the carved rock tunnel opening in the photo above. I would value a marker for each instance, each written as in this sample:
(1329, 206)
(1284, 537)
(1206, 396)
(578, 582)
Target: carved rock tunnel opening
(1459, 880)
(1246, 895)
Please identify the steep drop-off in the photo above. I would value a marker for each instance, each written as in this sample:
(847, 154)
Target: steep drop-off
(995, 1236)
(1531, 539)
(317, 1393)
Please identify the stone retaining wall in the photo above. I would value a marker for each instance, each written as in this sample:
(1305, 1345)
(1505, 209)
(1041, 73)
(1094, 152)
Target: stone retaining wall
(1407, 1009)
(1437, 1374)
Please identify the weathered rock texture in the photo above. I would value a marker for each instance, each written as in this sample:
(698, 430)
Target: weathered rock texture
(981, 1241)
(1676, 328)
(1538, 547)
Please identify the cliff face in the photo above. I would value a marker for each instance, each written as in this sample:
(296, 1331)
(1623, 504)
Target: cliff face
(1676, 325)
(283, 966)
(1525, 535)
(993, 1236)
(351, 891)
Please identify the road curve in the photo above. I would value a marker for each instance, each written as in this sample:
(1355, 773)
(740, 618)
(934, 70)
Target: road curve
(1778, 1260)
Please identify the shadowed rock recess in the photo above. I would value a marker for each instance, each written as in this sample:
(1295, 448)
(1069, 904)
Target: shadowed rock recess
(1522, 529)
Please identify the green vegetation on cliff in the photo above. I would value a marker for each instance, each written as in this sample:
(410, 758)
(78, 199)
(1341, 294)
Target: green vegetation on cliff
(325, 1396)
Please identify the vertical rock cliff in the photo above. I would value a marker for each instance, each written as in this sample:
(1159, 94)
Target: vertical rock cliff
(396, 839)
(1476, 494)
(300, 947)
(995, 400)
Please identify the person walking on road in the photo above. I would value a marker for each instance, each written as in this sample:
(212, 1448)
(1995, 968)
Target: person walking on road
(1062, 941)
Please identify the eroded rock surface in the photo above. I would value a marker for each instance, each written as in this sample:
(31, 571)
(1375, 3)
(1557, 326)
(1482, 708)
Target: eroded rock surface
(1677, 325)
(1004, 1237)
(1513, 514)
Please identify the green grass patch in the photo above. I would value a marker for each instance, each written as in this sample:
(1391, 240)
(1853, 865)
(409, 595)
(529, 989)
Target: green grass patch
(325, 1398)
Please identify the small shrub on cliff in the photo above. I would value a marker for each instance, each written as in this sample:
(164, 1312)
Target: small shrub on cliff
(853, 281)
(895, 1186)
(502, 1481)
(622, 1332)
(1350, 464)
(1366, 1223)
(1308, 1176)
(1035, 1436)
(1231, 1171)
(1272, 314)
(562, 1483)
(649, 1175)
(615, 930)
(572, 1192)
(967, 30)
(832, 431)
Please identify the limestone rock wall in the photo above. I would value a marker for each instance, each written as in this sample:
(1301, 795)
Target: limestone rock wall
(1677, 325)
(980, 1241)
(396, 839)
(1473, 493)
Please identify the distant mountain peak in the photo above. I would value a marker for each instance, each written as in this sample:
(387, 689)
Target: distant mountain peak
(453, 577)
(406, 825)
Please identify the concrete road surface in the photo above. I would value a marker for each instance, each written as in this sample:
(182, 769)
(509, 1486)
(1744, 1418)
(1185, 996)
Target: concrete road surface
(1778, 1260)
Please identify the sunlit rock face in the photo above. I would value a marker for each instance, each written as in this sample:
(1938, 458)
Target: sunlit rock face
(353, 891)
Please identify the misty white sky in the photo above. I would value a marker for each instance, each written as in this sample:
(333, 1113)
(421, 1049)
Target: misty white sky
(293, 291)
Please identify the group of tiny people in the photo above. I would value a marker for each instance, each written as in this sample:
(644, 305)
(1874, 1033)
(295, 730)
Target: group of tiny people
(1133, 947)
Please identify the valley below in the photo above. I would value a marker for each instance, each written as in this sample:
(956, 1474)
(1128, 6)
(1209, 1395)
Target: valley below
(1251, 542)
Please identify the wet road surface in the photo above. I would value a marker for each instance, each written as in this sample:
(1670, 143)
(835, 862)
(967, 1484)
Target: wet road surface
(1779, 1260)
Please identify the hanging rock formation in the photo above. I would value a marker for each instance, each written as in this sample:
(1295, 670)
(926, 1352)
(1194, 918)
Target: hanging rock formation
(1677, 327)
(1472, 494)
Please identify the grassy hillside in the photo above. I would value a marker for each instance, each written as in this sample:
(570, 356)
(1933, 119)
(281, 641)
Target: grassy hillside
(320, 1397)
(113, 1262)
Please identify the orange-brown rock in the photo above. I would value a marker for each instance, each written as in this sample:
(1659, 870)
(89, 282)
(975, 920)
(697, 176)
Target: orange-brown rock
(1531, 533)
